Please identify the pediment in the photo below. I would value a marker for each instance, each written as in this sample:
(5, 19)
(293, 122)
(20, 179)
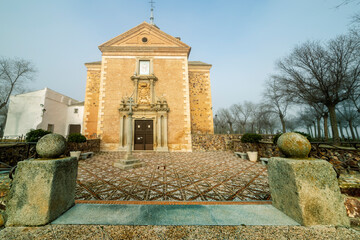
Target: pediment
(144, 35)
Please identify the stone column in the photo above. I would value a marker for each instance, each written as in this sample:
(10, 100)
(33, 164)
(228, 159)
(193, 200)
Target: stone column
(122, 132)
(158, 132)
(165, 125)
(129, 138)
(129, 160)
(162, 131)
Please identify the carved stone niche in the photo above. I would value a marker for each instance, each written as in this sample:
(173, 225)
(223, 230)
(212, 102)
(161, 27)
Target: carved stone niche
(146, 106)
(144, 93)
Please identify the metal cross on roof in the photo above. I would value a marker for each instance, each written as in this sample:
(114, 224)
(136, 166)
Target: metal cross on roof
(152, 12)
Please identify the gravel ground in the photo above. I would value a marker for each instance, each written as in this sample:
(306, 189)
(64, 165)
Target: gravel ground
(177, 232)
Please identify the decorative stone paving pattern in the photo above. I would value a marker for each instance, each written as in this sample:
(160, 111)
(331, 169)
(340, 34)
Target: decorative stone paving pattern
(197, 176)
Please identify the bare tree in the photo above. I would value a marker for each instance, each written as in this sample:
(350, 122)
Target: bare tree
(347, 110)
(320, 111)
(242, 113)
(266, 122)
(322, 74)
(306, 119)
(228, 118)
(235, 110)
(14, 73)
(292, 123)
(277, 102)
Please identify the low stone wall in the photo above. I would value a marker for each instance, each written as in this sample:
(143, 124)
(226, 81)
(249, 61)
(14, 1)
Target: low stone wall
(341, 159)
(13, 153)
(91, 145)
(223, 142)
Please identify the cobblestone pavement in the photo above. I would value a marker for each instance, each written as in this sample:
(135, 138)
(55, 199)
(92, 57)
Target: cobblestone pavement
(197, 176)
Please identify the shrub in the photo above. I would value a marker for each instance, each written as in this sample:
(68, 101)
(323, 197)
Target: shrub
(251, 138)
(35, 135)
(276, 137)
(76, 138)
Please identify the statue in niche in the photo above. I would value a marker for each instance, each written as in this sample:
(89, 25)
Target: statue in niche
(144, 93)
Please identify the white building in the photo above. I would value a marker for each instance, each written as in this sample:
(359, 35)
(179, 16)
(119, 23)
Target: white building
(43, 109)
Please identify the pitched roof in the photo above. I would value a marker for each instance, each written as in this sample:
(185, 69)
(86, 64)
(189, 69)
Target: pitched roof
(144, 37)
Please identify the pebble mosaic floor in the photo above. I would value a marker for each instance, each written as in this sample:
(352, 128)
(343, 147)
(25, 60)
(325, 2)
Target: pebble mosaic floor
(197, 176)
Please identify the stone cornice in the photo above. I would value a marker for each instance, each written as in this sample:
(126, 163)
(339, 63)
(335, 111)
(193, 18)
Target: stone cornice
(145, 49)
(152, 109)
(93, 65)
(144, 77)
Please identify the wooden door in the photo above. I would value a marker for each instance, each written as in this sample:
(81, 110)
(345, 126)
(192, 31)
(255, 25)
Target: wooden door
(74, 128)
(144, 135)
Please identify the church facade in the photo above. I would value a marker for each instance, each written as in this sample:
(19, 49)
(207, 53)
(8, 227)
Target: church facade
(147, 71)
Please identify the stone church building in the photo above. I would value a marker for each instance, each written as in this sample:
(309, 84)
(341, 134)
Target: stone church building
(147, 70)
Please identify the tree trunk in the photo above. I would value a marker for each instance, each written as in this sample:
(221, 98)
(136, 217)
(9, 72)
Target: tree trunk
(356, 132)
(230, 127)
(282, 123)
(352, 130)
(341, 131)
(310, 131)
(326, 134)
(319, 127)
(347, 133)
(315, 132)
(333, 123)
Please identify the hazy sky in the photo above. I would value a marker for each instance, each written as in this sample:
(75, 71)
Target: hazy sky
(242, 39)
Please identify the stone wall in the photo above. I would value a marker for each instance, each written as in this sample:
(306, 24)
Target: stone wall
(91, 145)
(341, 159)
(91, 104)
(200, 98)
(13, 153)
(223, 142)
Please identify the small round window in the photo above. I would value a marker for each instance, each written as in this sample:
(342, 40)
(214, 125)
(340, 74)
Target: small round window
(144, 39)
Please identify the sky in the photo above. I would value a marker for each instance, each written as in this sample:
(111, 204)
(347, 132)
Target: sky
(242, 39)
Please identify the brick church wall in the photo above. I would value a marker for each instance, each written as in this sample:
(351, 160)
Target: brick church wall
(91, 105)
(200, 98)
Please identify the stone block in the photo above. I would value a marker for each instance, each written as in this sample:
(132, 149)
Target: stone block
(41, 191)
(125, 164)
(307, 191)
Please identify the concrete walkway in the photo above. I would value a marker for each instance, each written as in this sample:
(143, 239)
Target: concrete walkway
(135, 214)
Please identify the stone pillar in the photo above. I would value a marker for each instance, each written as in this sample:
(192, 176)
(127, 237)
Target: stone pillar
(129, 160)
(158, 132)
(122, 134)
(165, 126)
(129, 138)
(162, 132)
(41, 191)
(307, 191)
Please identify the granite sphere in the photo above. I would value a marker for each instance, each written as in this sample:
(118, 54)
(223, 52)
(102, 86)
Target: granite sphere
(294, 145)
(51, 146)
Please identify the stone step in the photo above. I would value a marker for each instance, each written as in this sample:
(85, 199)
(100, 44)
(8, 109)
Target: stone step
(138, 214)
